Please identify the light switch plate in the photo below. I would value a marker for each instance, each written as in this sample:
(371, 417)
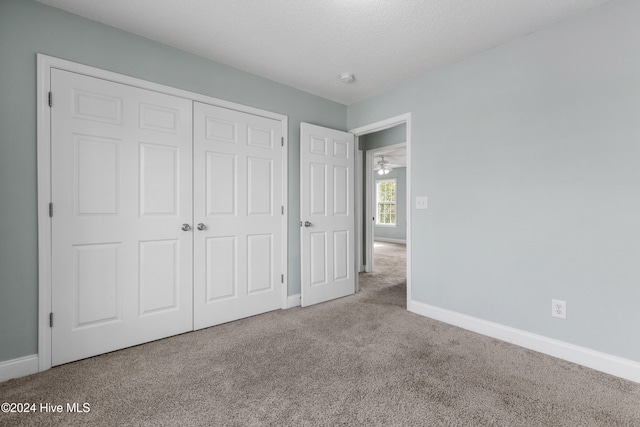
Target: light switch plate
(421, 202)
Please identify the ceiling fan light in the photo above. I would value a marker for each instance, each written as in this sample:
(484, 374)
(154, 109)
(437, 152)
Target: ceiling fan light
(381, 171)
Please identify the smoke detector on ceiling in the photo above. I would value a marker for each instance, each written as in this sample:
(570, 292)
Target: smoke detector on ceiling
(347, 77)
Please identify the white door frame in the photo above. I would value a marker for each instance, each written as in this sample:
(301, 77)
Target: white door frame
(370, 208)
(375, 127)
(358, 211)
(44, 65)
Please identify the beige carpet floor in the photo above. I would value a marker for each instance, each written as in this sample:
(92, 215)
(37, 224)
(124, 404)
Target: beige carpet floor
(360, 360)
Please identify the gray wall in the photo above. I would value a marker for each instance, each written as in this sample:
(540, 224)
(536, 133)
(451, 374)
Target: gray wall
(26, 28)
(530, 156)
(383, 138)
(399, 232)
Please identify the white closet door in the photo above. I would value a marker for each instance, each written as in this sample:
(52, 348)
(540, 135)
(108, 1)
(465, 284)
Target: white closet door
(121, 190)
(327, 167)
(237, 215)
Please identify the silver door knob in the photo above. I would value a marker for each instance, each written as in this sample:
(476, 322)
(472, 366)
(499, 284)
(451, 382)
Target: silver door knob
(186, 227)
(307, 224)
(201, 226)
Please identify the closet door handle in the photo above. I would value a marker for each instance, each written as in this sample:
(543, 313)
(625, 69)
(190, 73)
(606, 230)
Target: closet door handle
(307, 224)
(186, 227)
(201, 227)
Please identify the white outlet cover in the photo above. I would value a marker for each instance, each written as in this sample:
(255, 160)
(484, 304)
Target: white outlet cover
(559, 309)
(421, 202)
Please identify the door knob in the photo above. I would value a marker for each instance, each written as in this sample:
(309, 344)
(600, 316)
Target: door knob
(186, 227)
(201, 226)
(307, 224)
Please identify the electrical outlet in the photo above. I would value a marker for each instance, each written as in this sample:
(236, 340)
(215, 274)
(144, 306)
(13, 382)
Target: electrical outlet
(559, 308)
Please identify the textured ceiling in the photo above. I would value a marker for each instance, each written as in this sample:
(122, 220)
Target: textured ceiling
(307, 44)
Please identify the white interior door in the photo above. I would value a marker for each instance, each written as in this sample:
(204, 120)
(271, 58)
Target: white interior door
(327, 164)
(238, 212)
(121, 190)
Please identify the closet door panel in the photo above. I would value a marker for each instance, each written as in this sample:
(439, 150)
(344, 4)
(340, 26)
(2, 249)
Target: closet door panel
(121, 185)
(237, 199)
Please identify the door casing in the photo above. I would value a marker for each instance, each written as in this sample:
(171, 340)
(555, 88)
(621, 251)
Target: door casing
(44, 65)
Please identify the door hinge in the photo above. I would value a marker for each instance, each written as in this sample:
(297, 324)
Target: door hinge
(282, 141)
(50, 99)
(282, 209)
(51, 320)
(50, 210)
(282, 278)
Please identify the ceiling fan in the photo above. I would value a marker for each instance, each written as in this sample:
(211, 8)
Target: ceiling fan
(383, 167)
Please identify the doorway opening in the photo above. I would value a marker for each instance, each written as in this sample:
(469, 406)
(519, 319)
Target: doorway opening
(391, 138)
(389, 277)
(385, 197)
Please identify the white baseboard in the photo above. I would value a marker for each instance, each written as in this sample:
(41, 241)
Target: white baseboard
(293, 301)
(17, 368)
(389, 240)
(614, 365)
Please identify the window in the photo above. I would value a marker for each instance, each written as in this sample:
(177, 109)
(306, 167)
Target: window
(386, 202)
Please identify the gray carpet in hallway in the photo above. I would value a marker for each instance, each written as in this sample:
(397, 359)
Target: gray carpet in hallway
(359, 360)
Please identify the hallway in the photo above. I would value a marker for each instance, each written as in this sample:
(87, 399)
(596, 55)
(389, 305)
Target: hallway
(389, 275)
